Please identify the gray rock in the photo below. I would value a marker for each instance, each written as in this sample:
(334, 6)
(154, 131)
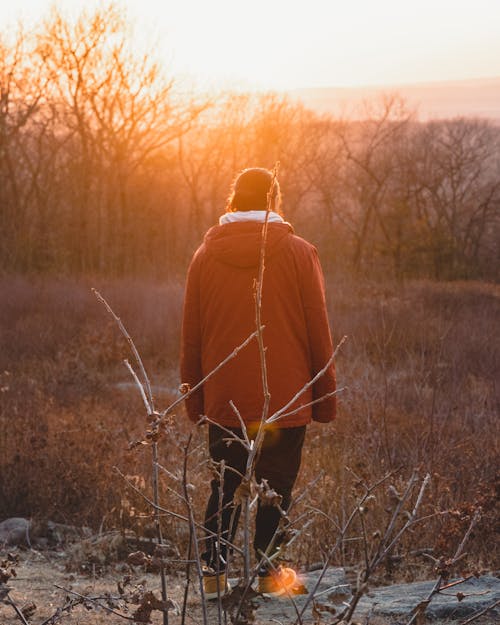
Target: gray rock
(15, 531)
(331, 591)
(399, 600)
(60, 533)
(402, 599)
(40, 534)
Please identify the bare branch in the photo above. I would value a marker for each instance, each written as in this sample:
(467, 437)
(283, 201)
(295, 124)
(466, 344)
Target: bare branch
(20, 615)
(479, 614)
(131, 344)
(209, 375)
(279, 413)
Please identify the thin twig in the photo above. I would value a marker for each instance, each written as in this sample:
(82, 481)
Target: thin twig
(472, 524)
(479, 614)
(456, 583)
(147, 397)
(338, 542)
(192, 390)
(437, 586)
(156, 499)
(131, 344)
(386, 543)
(324, 514)
(192, 528)
(306, 490)
(387, 547)
(176, 515)
(188, 576)
(254, 449)
(220, 512)
(58, 615)
(315, 401)
(140, 386)
(321, 372)
(97, 601)
(242, 423)
(10, 601)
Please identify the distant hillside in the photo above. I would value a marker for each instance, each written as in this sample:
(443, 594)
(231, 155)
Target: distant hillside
(470, 98)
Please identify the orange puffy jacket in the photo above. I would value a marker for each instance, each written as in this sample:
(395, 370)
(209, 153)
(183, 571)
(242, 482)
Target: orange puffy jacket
(219, 314)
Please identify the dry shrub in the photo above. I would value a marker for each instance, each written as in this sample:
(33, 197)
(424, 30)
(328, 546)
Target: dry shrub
(422, 367)
(65, 424)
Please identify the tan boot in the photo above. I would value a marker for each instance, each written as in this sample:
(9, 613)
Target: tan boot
(214, 585)
(277, 582)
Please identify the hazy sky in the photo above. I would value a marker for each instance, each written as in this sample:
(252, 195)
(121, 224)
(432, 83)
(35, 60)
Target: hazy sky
(309, 43)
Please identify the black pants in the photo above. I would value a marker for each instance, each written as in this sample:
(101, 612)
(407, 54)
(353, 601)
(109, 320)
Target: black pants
(278, 463)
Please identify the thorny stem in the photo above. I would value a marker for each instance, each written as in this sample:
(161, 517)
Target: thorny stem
(386, 543)
(188, 575)
(218, 538)
(242, 423)
(246, 537)
(365, 540)
(475, 519)
(338, 542)
(258, 299)
(255, 447)
(437, 586)
(192, 528)
(158, 528)
(383, 549)
(147, 397)
(411, 520)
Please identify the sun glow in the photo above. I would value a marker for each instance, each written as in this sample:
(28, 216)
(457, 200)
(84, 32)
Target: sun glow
(283, 44)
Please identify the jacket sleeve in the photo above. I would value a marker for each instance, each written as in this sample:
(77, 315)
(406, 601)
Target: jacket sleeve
(320, 340)
(190, 360)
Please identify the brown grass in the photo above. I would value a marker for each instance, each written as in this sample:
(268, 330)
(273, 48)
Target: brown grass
(422, 368)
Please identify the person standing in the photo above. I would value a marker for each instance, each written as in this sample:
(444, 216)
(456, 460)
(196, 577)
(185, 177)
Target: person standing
(219, 314)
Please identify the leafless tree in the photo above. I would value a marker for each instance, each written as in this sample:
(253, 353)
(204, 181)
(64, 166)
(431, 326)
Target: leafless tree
(457, 196)
(118, 109)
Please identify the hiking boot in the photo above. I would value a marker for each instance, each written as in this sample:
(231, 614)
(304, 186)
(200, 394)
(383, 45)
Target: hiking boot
(214, 585)
(274, 583)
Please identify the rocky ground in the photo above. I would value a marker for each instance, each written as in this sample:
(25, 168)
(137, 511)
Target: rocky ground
(44, 583)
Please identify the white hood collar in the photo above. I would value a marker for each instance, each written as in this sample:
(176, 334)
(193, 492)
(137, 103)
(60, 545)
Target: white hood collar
(260, 216)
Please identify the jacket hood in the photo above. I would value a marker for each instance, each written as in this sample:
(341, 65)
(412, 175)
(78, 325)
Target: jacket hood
(238, 244)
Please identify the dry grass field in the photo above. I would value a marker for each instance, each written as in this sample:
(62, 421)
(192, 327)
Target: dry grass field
(421, 364)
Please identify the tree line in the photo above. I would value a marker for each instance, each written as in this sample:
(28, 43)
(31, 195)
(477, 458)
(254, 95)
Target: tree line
(107, 168)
